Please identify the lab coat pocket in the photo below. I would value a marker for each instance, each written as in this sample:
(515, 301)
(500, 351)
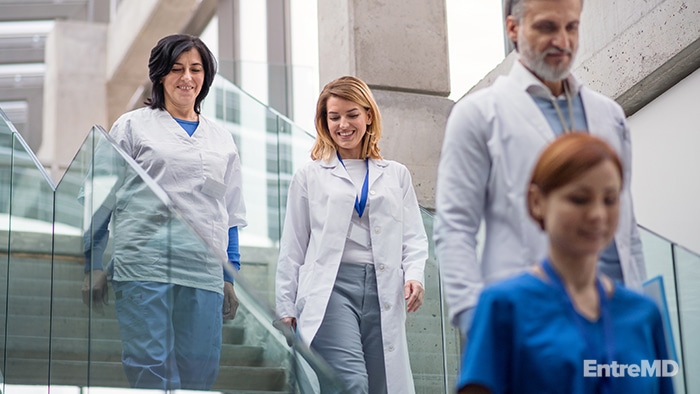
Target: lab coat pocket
(390, 202)
(214, 165)
(305, 278)
(139, 236)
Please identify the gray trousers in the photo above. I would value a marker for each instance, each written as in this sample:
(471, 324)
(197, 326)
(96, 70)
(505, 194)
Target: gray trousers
(350, 336)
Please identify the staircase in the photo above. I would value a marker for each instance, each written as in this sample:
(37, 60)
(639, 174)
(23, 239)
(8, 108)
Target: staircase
(54, 341)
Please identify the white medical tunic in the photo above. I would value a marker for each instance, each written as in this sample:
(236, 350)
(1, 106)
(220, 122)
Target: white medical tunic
(201, 176)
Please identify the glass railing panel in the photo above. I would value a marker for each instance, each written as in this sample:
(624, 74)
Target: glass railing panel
(687, 279)
(29, 285)
(6, 131)
(254, 355)
(85, 337)
(306, 371)
(248, 121)
(659, 261)
(433, 343)
(271, 149)
(151, 242)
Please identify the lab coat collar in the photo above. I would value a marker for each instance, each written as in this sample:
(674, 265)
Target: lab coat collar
(528, 82)
(376, 168)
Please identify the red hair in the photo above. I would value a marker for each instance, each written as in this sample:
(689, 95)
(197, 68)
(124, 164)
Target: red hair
(568, 157)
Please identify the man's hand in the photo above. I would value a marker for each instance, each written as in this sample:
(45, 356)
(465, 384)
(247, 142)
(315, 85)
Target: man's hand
(230, 301)
(413, 294)
(95, 290)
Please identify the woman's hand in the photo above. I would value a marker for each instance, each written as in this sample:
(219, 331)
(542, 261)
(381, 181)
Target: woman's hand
(290, 322)
(230, 301)
(95, 290)
(413, 294)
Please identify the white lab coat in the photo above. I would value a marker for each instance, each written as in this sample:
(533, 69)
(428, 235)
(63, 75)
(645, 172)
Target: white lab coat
(201, 176)
(319, 208)
(492, 140)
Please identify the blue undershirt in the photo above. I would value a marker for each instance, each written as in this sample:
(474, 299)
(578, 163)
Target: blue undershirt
(609, 263)
(188, 125)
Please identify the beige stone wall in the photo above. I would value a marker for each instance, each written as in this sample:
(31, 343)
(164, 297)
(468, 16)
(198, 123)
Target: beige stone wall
(74, 90)
(399, 48)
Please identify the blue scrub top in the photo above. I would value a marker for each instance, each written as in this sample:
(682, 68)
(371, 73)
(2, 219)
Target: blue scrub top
(523, 339)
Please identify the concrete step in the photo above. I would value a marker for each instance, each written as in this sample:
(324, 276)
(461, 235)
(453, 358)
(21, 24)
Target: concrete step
(59, 306)
(108, 350)
(27, 266)
(81, 328)
(44, 298)
(43, 286)
(111, 374)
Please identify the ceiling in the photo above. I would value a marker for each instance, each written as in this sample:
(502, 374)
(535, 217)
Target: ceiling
(24, 27)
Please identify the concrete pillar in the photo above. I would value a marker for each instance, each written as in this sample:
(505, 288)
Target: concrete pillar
(279, 93)
(74, 90)
(134, 31)
(228, 13)
(399, 48)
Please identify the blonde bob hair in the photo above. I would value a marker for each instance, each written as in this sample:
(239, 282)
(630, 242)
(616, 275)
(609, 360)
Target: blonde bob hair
(355, 90)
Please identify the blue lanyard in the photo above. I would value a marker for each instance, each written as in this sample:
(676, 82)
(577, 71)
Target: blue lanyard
(362, 201)
(608, 339)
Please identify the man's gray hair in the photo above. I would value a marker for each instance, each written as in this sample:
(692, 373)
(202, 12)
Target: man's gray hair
(516, 8)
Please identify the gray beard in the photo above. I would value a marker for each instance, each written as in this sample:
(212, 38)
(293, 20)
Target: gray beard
(537, 64)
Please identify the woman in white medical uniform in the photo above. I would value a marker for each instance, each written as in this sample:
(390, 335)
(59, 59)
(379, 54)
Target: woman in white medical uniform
(171, 298)
(353, 248)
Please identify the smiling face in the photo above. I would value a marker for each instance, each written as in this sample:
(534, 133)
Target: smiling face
(581, 216)
(183, 84)
(347, 124)
(547, 36)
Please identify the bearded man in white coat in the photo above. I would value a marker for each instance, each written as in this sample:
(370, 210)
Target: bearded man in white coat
(492, 139)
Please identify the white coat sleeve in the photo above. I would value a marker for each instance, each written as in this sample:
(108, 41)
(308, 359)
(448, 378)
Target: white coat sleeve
(234, 194)
(463, 176)
(635, 242)
(293, 247)
(415, 240)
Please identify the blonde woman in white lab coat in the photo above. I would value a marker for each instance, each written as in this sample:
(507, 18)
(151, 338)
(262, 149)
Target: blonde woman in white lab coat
(353, 248)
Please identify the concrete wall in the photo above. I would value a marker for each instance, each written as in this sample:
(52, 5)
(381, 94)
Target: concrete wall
(136, 28)
(637, 49)
(399, 48)
(666, 141)
(75, 95)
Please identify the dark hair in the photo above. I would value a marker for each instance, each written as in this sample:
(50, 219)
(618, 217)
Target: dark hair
(165, 54)
(567, 158)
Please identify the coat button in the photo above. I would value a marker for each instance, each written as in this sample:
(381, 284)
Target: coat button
(387, 306)
(381, 267)
(391, 348)
(377, 230)
(372, 192)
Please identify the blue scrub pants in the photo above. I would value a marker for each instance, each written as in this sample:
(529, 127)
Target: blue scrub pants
(350, 336)
(171, 335)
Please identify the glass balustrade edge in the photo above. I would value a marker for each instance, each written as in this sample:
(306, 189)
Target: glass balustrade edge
(28, 150)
